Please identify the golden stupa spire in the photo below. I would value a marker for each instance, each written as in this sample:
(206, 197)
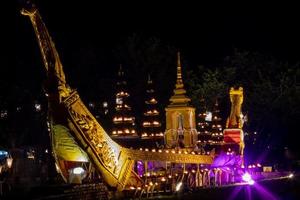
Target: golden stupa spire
(179, 97)
(179, 82)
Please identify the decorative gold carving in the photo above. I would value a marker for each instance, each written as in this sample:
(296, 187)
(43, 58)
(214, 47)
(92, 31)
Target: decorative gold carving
(89, 128)
(179, 82)
(236, 98)
(71, 99)
(49, 53)
(235, 120)
(180, 117)
(114, 162)
(170, 157)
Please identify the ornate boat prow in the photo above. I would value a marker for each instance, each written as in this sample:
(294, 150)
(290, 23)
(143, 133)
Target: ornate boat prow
(72, 122)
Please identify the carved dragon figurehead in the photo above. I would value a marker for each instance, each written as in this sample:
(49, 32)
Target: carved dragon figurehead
(28, 9)
(77, 137)
(50, 56)
(236, 98)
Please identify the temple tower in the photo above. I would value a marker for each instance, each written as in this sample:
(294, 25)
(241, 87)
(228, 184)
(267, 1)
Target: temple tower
(216, 126)
(180, 117)
(204, 135)
(123, 121)
(151, 125)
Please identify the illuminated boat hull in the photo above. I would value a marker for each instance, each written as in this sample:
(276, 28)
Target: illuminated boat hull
(68, 155)
(71, 121)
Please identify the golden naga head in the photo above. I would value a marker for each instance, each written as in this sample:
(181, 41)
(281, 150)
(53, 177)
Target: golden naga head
(28, 8)
(236, 95)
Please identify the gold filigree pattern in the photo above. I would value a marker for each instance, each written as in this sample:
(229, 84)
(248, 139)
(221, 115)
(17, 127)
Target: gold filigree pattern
(89, 128)
(236, 98)
(114, 162)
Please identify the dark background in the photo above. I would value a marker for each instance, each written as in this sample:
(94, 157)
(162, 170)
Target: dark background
(87, 34)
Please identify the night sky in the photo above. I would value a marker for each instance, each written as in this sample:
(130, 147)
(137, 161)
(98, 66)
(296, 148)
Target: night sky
(204, 34)
(87, 32)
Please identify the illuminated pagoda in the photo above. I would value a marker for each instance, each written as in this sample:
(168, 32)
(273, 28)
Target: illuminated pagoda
(151, 125)
(204, 135)
(216, 127)
(180, 117)
(123, 121)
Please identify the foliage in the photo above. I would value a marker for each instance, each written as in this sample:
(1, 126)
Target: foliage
(210, 84)
(140, 56)
(271, 94)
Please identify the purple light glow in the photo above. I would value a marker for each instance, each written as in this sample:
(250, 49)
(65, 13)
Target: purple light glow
(224, 160)
(247, 178)
(234, 193)
(248, 192)
(264, 193)
(140, 168)
(251, 182)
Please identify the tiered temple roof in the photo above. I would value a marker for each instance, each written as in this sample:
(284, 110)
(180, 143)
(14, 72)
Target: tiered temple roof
(123, 120)
(151, 125)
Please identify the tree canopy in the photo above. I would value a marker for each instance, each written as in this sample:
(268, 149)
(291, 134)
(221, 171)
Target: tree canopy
(271, 91)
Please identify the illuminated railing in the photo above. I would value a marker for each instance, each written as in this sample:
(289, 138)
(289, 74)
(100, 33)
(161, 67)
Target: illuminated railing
(151, 124)
(151, 113)
(122, 94)
(152, 135)
(123, 106)
(151, 101)
(123, 119)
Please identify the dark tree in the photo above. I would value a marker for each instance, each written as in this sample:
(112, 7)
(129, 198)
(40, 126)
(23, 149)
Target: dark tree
(271, 96)
(147, 55)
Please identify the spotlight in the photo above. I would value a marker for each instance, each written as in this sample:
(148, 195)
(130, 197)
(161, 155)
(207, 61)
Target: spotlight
(9, 162)
(178, 186)
(248, 179)
(251, 182)
(78, 170)
(291, 175)
(258, 165)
